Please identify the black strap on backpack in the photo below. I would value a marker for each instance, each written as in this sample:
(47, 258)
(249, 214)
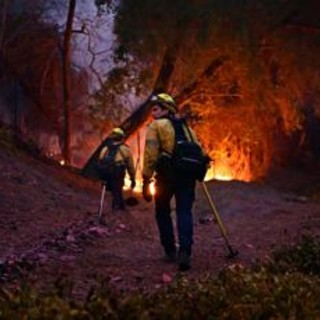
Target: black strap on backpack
(178, 125)
(187, 158)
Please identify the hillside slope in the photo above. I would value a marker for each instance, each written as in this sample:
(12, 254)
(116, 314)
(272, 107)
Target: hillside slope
(48, 227)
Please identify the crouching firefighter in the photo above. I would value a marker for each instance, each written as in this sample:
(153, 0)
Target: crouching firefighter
(115, 160)
(160, 158)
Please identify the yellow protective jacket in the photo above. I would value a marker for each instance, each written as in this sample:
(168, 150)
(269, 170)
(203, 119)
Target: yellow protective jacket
(160, 138)
(123, 157)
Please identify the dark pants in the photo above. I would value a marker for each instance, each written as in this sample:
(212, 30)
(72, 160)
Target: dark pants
(115, 183)
(183, 190)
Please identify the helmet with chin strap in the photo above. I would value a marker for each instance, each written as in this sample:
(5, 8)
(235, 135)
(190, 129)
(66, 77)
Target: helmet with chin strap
(118, 132)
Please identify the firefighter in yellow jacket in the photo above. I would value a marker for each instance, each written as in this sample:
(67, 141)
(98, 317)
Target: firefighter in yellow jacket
(121, 160)
(159, 145)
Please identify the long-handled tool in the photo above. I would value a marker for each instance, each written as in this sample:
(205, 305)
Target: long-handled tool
(232, 252)
(103, 192)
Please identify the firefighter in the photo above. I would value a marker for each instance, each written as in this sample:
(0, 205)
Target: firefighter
(159, 144)
(121, 161)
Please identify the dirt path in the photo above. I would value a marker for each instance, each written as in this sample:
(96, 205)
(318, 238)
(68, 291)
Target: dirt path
(48, 228)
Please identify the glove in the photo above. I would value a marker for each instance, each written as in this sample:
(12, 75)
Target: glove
(146, 190)
(133, 184)
(207, 160)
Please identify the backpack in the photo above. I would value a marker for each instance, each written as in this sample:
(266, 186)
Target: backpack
(106, 166)
(187, 157)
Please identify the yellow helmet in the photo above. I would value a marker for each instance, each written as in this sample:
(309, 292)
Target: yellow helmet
(165, 100)
(117, 132)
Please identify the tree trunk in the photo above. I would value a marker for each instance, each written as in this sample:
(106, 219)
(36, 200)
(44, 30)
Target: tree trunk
(3, 23)
(66, 75)
(161, 85)
(207, 73)
(20, 82)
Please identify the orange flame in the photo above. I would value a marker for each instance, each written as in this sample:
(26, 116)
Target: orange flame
(224, 167)
(152, 188)
(138, 187)
(221, 172)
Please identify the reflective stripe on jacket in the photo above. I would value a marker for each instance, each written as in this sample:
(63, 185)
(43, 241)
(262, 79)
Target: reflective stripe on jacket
(122, 157)
(160, 138)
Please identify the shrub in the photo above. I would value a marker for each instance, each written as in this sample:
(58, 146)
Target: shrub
(303, 257)
(286, 288)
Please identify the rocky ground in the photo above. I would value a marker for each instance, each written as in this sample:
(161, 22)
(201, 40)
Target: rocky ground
(48, 227)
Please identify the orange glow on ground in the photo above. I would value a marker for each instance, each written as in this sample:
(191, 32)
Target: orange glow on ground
(127, 183)
(138, 187)
(220, 173)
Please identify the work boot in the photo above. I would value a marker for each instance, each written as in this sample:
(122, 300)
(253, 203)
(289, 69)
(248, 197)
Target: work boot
(184, 260)
(170, 255)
